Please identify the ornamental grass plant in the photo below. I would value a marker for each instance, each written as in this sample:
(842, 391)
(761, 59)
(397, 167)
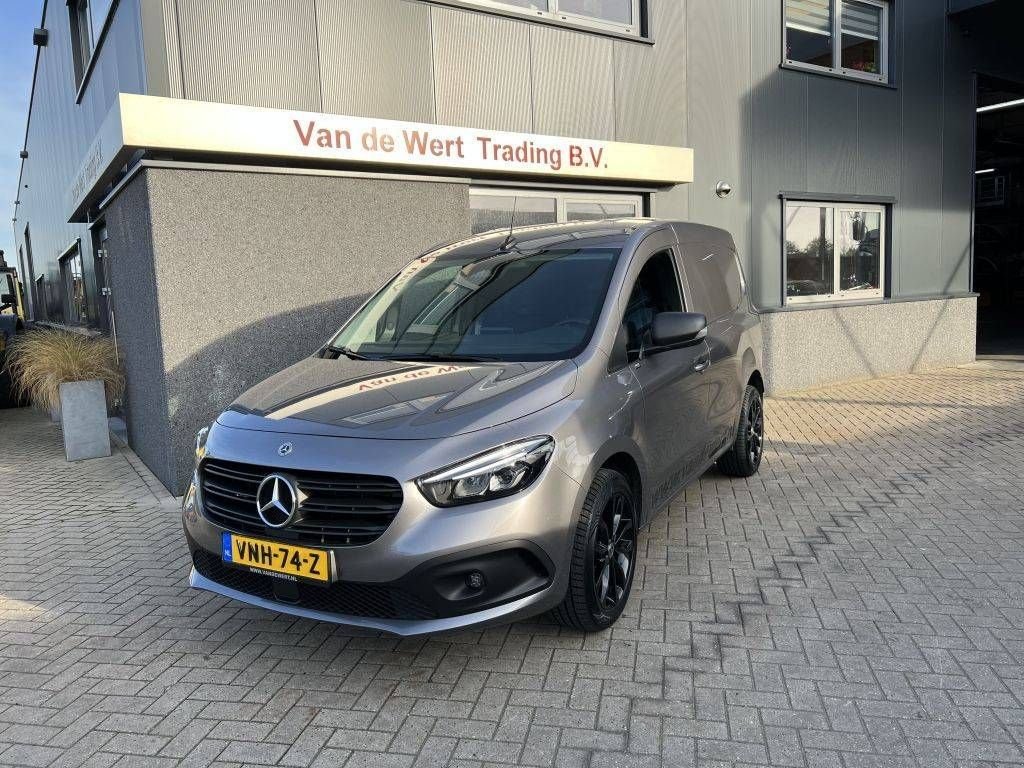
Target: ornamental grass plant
(41, 360)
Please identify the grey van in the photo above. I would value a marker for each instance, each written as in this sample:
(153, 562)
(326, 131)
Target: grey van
(485, 437)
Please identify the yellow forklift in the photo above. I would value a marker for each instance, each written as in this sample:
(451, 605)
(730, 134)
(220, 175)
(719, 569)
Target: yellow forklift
(12, 321)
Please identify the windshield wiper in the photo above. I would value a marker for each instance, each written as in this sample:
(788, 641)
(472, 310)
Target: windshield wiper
(351, 354)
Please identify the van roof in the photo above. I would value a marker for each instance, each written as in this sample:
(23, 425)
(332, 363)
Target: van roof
(607, 233)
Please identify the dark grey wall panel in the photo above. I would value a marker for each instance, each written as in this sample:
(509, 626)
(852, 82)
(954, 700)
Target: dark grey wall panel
(919, 242)
(481, 70)
(273, 276)
(573, 83)
(832, 122)
(719, 109)
(250, 52)
(375, 58)
(879, 142)
(650, 81)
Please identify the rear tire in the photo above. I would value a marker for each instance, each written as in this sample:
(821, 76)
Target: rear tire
(744, 457)
(603, 555)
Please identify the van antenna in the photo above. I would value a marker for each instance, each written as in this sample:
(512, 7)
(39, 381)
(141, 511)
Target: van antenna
(511, 224)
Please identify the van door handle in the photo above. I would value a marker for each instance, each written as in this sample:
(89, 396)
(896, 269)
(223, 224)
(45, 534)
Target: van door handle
(702, 364)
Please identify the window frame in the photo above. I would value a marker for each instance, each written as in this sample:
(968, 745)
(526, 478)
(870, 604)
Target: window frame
(65, 266)
(837, 69)
(839, 296)
(638, 29)
(563, 198)
(626, 295)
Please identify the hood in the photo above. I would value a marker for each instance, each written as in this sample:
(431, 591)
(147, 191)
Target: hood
(386, 399)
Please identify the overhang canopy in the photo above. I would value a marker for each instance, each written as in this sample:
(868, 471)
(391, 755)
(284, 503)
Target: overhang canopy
(179, 126)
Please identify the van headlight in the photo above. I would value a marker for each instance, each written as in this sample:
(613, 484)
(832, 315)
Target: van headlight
(201, 437)
(501, 471)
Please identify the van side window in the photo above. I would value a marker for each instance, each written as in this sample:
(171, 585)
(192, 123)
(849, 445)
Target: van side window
(715, 279)
(656, 290)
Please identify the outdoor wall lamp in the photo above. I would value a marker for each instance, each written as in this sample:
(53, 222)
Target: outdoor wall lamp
(723, 189)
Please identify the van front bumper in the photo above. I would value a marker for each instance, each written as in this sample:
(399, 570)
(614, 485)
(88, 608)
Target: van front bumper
(420, 575)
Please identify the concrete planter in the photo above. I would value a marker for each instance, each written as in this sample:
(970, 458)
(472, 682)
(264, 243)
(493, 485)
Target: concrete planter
(83, 418)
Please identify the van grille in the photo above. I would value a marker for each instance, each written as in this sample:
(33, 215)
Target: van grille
(340, 510)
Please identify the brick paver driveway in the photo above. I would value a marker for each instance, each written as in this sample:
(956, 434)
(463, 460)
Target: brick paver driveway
(858, 603)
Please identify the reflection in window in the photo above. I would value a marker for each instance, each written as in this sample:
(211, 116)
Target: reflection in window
(809, 251)
(77, 312)
(862, 37)
(594, 210)
(487, 212)
(617, 11)
(815, 233)
(618, 15)
(809, 32)
(813, 28)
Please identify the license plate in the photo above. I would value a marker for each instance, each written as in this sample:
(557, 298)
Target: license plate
(275, 557)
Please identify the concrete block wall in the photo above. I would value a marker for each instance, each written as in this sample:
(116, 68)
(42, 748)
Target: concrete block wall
(221, 278)
(813, 347)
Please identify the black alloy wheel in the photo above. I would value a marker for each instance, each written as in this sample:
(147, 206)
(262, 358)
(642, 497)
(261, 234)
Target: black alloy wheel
(744, 456)
(603, 555)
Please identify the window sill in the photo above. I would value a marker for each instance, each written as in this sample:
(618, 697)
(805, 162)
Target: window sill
(526, 15)
(822, 72)
(807, 305)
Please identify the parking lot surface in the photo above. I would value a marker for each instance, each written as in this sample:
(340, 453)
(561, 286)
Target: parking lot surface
(858, 603)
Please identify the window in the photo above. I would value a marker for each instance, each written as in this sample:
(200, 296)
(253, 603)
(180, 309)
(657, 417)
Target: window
(39, 310)
(834, 251)
(87, 19)
(493, 208)
(848, 37)
(501, 306)
(76, 310)
(613, 15)
(656, 290)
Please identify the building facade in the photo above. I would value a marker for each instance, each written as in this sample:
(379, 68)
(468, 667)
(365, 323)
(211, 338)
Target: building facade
(225, 223)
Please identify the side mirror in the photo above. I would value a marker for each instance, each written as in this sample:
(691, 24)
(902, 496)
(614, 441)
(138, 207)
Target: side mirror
(676, 328)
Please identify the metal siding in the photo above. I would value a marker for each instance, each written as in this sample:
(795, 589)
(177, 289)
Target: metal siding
(250, 52)
(719, 106)
(917, 250)
(832, 130)
(62, 131)
(169, 9)
(375, 58)
(877, 171)
(481, 70)
(650, 81)
(573, 83)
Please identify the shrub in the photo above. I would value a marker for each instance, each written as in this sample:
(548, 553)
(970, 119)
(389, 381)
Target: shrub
(41, 360)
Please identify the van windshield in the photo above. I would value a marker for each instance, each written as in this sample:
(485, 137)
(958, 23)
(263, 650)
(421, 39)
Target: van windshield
(506, 306)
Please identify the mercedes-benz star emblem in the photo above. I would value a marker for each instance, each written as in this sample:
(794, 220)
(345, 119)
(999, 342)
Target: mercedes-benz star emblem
(284, 449)
(277, 501)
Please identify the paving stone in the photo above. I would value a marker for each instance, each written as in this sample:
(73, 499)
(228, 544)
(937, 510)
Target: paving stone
(855, 604)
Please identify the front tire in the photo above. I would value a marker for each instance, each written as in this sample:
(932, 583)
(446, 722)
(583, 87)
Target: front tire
(744, 457)
(603, 555)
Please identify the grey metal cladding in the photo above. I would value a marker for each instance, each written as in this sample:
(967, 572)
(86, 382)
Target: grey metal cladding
(719, 108)
(250, 52)
(923, 27)
(832, 121)
(375, 58)
(173, 43)
(573, 83)
(650, 81)
(878, 142)
(481, 70)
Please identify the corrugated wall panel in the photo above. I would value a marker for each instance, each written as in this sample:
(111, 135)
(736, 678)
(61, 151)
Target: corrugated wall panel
(573, 83)
(173, 43)
(878, 142)
(481, 70)
(719, 105)
(918, 247)
(650, 81)
(832, 130)
(62, 131)
(375, 58)
(250, 52)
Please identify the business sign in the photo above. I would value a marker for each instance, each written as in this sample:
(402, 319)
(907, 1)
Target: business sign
(195, 127)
